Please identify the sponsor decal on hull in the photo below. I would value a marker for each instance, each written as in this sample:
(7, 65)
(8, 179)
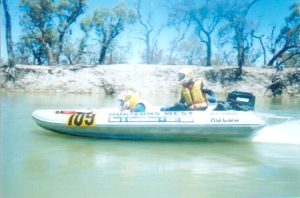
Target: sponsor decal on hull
(183, 117)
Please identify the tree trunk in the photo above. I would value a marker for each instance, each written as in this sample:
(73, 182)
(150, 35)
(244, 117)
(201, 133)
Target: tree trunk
(81, 50)
(241, 61)
(37, 59)
(148, 48)
(278, 55)
(9, 43)
(241, 53)
(51, 60)
(67, 23)
(70, 60)
(102, 54)
(50, 55)
(208, 51)
(264, 51)
(60, 45)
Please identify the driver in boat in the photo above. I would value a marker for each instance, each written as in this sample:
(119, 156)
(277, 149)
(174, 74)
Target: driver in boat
(130, 101)
(194, 96)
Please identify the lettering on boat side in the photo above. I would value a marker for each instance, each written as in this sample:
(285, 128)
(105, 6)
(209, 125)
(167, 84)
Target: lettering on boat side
(219, 113)
(82, 120)
(164, 113)
(151, 119)
(171, 116)
(224, 120)
(179, 117)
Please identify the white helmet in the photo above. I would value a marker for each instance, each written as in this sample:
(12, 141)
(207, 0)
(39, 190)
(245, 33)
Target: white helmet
(127, 100)
(185, 76)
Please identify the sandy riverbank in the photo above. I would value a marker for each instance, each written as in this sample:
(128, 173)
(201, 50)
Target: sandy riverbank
(149, 79)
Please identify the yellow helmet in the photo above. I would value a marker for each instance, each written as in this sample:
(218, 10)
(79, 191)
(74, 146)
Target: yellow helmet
(128, 100)
(185, 76)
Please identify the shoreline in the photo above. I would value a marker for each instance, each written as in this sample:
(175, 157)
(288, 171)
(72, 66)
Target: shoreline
(146, 79)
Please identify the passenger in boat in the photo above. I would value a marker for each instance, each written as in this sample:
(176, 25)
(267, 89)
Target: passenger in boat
(130, 100)
(194, 96)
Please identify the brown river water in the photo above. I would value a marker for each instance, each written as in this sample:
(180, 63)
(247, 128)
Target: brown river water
(38, 163)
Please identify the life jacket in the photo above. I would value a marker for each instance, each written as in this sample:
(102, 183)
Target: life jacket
(195, 96)
(134, 100)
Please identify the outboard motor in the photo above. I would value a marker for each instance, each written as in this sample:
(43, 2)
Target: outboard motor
(237, 101)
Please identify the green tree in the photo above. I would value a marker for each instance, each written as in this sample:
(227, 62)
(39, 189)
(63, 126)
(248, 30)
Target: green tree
(190, 50)
(149, 35)
(203, 16)
(9, 42)
(108, 24)
(175, 43)
(85, 26)
(238, 28)
(67, 12)
(47, 21)
(287, 43)
(29, 51)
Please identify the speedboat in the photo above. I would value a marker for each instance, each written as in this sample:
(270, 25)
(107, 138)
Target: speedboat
(228, 121)
(175, 125)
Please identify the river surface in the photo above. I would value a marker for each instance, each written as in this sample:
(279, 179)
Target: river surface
(38, 163)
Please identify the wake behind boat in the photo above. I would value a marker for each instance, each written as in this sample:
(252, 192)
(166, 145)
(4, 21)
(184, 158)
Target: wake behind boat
(176, 125)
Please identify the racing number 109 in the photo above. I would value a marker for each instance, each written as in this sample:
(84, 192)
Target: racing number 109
(81, 120)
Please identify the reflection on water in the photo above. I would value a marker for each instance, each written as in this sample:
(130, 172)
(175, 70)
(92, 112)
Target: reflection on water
(37, 163)
(285, 106)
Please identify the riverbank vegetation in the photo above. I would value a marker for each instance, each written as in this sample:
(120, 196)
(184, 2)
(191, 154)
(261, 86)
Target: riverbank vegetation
(146, 79)
(211, 33)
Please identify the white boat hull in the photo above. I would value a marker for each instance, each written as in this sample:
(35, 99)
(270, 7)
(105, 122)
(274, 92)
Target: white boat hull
(108, 123)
